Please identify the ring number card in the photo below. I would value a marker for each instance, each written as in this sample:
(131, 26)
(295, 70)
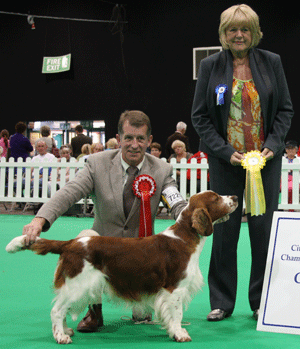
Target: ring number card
(280, 302)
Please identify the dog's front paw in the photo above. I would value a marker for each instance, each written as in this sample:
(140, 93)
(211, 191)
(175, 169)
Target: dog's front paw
(182, 336)
(16, 244)
(63, 339)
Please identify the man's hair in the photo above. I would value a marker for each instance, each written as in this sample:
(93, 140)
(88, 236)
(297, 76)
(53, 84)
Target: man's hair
(181, 126)
(45, 131)
(20, 127)
(79, 128)
(136, 118)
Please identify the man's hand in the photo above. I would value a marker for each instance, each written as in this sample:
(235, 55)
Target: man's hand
(236, 158)
(33, 230)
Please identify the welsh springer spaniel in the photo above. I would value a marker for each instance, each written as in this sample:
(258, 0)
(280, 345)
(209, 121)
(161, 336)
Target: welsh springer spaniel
(159, 272)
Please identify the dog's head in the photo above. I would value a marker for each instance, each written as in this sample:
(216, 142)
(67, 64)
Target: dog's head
(208, 208)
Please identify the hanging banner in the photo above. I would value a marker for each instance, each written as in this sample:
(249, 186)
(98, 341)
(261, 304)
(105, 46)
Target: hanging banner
(280, 307)
(57, 64)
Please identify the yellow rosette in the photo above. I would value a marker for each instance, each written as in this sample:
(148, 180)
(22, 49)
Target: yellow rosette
(253, 162)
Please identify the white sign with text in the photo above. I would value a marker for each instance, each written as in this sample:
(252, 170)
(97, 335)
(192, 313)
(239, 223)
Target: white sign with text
(280, 301)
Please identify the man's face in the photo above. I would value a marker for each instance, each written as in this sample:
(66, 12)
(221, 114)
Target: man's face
(41, 148)
(134, 143)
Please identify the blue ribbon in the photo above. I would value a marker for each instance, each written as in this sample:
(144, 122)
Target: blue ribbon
(220, 91)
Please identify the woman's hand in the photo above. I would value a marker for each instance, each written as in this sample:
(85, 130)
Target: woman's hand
(236, 158)
(267, 153)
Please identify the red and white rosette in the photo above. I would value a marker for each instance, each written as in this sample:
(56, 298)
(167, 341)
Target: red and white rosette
(144, 187)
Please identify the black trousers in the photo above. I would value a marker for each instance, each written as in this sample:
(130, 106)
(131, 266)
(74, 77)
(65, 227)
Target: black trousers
(226, 179)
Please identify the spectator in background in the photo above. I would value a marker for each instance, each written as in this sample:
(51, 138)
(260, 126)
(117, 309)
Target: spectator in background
(180, 151)
(79, 140)
(85, 151)
(19, 145)
(179, 134)
(97, 147)
(42, 156)
(291, 148)
(155, 149)
(111, 144)
(4, 142)
(45, 133)
(65, 152)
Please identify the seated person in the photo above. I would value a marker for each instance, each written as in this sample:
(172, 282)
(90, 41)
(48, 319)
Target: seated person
(65, 152)
(97, 147)
(155, 149)
(85, 151)
(179, 153)
(43, 156)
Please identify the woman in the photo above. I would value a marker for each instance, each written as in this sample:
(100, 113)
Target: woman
(179, 151)
(253, 112)
(96, 148)
(85, 151)
(65, 152)
(155, 149)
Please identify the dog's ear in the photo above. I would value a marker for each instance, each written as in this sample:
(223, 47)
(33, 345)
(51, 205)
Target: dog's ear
(201, 221)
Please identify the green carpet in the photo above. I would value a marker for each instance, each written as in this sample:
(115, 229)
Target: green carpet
(26, 296)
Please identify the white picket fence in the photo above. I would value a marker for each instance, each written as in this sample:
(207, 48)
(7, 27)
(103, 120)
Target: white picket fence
(15, 179)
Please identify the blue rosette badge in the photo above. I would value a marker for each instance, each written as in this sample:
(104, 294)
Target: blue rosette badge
(220, 91)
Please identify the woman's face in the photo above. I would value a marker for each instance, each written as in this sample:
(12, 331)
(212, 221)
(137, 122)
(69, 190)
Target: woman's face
(239, 38)
(178, 150)
(65, 153)
(156, 152)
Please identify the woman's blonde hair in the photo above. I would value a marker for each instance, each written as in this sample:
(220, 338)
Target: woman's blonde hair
(178, 143)
(86, 149)
(240, 14)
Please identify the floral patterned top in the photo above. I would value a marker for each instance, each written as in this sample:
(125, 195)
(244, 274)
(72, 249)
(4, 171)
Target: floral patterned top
(245, 122)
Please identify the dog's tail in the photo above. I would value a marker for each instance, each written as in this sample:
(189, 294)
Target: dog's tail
(40, 246)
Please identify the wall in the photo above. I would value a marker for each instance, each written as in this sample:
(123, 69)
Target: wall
(155, 75)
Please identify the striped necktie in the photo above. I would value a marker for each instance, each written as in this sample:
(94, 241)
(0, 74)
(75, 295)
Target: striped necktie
(128, 195)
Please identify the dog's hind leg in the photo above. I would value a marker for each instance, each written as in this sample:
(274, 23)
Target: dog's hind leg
(67, 330)
(168, 308)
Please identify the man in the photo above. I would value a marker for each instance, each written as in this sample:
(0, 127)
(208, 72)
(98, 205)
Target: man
(104, 176)
(42, 156)
(179, 134)
(79, 140)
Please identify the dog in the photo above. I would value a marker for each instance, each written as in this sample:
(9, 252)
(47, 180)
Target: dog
(159, 272)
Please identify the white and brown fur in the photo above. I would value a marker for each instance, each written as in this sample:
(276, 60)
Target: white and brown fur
(159, 272)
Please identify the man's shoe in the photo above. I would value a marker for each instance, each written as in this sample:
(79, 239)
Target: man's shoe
(93, 319)
(217, 315)
(255, 314)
